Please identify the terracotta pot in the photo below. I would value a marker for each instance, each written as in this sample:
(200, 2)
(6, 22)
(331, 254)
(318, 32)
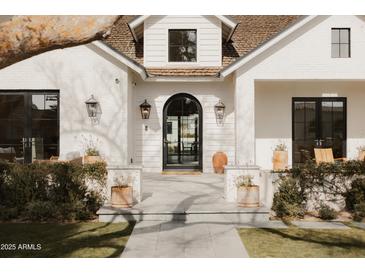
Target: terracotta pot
(122, 196)
(219, 161)
(92, 159)
(248, 196)
(361, 156)
(280, 160)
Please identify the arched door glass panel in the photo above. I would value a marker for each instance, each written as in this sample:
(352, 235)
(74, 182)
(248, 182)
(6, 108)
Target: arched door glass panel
(182, 133)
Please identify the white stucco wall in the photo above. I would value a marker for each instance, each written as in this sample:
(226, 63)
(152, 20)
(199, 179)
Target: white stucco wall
(209, 39)
(77, 73)
(148, 144)
(272, 127)
(304, 55)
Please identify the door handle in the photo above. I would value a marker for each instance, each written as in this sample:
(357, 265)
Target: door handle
(26, 142)
(319, 142)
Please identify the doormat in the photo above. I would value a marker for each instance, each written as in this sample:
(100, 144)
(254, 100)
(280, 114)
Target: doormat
(181, 173)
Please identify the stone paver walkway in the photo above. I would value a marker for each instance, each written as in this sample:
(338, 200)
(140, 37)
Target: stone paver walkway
(271, 224)
(360, 225)
(320, 225)
(178, 239)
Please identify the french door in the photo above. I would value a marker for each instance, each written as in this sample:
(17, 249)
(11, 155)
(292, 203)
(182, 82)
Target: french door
(182, 132)
(318, 122)
(29, 125)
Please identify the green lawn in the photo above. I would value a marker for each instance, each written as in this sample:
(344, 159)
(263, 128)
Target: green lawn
(295, 242)
(65, 240)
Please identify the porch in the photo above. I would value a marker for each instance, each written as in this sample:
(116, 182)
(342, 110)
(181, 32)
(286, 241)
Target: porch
(184, 198)
(302, 114)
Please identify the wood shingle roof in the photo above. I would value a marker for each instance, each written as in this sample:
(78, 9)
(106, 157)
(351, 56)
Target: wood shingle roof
(251, 32)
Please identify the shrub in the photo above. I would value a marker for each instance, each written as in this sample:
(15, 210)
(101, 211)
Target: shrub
(325, 212)
(41, 210)
(7, 214)
(42, 191)
(356, 194)
(288, 201)
(359, 213)
(336, 182)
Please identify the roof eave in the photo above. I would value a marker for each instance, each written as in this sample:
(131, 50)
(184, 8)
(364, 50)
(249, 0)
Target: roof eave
(124, 59)
(265, 46)
(136, 22)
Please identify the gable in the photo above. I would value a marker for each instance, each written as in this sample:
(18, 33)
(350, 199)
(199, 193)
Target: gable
(306, 53)
(251, 32)
(208, 40)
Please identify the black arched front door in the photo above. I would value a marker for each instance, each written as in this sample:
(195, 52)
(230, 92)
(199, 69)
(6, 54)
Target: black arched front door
(182, 133)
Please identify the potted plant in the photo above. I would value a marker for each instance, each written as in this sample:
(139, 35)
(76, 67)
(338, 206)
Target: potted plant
(91, 153)
(91, 156)
(248, 194)
(280, 157)
(122, 193)
(361, 155)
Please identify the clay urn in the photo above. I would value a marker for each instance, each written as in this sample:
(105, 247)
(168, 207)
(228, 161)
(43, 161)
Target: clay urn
(219, 161)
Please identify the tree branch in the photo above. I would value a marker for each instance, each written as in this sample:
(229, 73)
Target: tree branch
(26, 36)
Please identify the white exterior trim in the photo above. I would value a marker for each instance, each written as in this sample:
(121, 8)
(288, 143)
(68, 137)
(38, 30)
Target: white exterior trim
(139, 20)
(135, 23)
(142, 72)
(122, 58)
(229, 22)
(184, 79)
(256, 52)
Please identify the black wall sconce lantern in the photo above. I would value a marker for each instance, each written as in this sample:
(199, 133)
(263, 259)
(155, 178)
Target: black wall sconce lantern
(92, 107)
(219, 110)
(145, 109)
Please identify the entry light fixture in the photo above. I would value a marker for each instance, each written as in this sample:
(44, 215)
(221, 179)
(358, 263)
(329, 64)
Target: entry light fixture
(145, 109)
(92, 107)
(219, 110)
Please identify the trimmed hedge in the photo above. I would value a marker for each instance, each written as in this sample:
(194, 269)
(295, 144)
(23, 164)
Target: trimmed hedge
(51, 191)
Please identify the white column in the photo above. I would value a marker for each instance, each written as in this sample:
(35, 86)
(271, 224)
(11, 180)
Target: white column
(245, 120)
(124, 119)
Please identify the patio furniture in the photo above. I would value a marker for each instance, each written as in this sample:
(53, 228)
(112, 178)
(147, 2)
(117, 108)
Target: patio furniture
(325, 155)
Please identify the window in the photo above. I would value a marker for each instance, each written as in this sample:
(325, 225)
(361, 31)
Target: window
(340, 43)
(182, 45)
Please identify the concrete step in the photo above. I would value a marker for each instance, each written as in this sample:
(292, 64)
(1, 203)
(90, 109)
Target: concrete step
(226, 215)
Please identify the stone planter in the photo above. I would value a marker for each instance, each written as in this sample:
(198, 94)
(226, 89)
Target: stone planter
(248, 196)
(122, 196)
(92, 159)
(280, 160)
(361, 156)
(219, 161)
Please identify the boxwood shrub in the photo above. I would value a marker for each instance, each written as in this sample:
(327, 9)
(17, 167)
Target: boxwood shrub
(51, 191)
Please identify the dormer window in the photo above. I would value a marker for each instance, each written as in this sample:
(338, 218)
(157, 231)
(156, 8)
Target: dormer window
(182, 45)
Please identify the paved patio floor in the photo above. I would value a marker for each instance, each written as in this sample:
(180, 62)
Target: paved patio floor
(207, 233)
(187, 194)
(180, 193)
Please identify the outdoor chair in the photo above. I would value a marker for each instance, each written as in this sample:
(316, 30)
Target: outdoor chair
(325, 155)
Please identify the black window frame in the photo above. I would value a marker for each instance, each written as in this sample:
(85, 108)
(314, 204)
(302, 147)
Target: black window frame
(196, 45)
(341, 43)
(318, 113)
(28, 117)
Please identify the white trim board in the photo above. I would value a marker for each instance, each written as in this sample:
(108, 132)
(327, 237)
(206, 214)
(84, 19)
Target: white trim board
(272, 42)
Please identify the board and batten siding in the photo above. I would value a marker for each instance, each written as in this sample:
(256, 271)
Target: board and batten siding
(148, 143)
(209, 40)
